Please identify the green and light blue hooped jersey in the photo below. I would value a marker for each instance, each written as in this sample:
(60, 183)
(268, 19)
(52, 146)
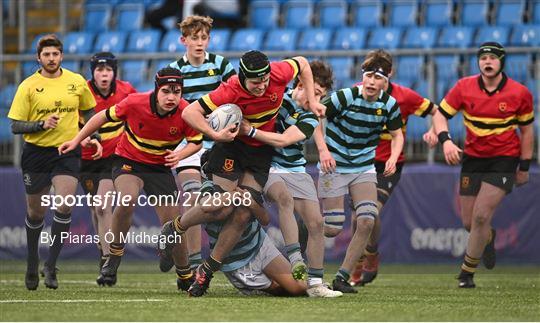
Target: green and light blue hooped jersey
(200, 80)
(247, 247)
(291, 157)
(354, 127)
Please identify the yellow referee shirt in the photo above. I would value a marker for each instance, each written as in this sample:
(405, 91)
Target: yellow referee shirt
(39, 97)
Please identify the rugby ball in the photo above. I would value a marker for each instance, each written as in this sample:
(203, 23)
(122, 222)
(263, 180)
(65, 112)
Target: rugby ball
(224, 116)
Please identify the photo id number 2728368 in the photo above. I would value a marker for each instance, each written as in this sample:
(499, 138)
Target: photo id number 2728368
(216, 199)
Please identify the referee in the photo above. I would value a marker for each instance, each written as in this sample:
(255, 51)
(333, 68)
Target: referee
(45, 110)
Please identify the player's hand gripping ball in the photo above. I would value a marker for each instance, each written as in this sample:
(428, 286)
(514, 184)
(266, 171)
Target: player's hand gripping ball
(225, 115)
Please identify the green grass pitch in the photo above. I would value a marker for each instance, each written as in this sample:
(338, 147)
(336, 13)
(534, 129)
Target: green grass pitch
(400, 293)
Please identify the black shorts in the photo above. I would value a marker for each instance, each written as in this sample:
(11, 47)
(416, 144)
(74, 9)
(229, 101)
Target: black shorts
(497, 171)
(232, 160)
(40, 164)
(93, 171)
(386, 183)
(157, 179)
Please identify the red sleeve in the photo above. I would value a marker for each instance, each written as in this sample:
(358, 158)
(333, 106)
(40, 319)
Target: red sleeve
(452, 102)
(415, 104)
(285, 71)
(225, 93)
(525, 113)
(119, 111)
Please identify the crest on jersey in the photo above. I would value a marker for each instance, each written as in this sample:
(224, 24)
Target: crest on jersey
(211, 72)
(228, 165)
(173, 131)
(502, 106)
(127, 168)
(379, 112)
(273, 97)
(465, 181)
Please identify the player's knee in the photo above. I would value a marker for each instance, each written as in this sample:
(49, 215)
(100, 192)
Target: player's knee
(333, 222)
(365, 224)
(36, 213)
(315, 225)
(284, 201)
(480, 218)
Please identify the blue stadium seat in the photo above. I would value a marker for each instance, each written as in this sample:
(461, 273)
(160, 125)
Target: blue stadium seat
(474, 12)
(143, 41)
(134, 71)
(79, 42)
(298, 13)
(29, 67)
(509, 12)
(420, 37)
(315, 39)
(342, 67)
(525, 35)
(281, 39)
(447, 67)
(332, 13)
(344, 83)
(402, 13)
(219, 40)
(439, 13)
(246, 39)
(349, 38)
(517, 66)
(367, 13)
(74, 66)
(456, 37)
(385, 37)
(144, 86)
(171, 42)
(536, 12)
(97, 17)
(33, 46)
(409, 67)
(473, 65)
(5, 129)
(111, 41)
(403, 82)
(263, 14)
(492, 33)
(129, 16)
(416, 127)
(6, 95)
(158, 64)
(532, 85)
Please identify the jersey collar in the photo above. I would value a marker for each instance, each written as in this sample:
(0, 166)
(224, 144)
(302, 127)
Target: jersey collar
(206, 58)
(105, 97)
(153, 107)
(499, 87)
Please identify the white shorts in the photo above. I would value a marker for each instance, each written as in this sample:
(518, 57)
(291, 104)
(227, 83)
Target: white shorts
(193, 161)
(300, 185)
(250, 279)
(336, 184)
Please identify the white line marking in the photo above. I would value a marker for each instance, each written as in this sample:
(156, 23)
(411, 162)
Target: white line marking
(79, 300)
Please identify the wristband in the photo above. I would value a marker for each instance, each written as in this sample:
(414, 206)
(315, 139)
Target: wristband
(444, 136)
(524, 165)
(252, 132)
